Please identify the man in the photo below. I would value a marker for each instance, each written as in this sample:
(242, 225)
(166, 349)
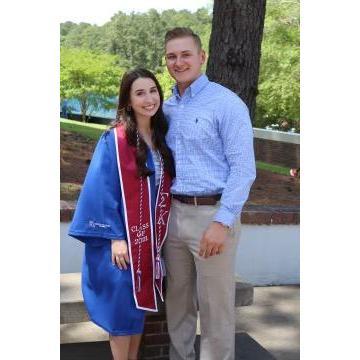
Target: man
(211, 138)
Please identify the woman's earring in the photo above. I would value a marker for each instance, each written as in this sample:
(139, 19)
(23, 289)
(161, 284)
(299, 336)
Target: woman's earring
(137, 139)
(128, 108)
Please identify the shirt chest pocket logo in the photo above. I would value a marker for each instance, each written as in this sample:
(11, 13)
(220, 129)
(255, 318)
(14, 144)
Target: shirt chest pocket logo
(199, 127)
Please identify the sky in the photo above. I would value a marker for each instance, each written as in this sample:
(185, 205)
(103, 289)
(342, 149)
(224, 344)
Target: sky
(101, 11)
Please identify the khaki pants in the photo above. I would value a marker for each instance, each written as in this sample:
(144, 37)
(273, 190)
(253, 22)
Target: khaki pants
(190, 280)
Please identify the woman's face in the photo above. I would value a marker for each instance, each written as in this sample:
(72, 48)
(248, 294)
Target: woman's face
(144, 97)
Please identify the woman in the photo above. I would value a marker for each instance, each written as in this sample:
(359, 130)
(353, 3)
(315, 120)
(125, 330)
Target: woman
(122, 215)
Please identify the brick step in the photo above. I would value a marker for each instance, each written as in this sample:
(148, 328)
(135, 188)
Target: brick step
(72, 308)
(82, 332)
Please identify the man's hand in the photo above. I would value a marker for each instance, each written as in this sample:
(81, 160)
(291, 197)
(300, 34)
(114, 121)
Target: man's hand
(119, 253)
(213, 240)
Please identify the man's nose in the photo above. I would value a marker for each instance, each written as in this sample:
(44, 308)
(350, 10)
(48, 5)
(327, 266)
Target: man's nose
(178, 61)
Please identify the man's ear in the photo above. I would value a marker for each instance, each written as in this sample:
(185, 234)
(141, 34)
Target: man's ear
(203, 56)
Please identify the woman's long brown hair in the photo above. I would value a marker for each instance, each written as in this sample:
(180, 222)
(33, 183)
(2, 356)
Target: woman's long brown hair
(158, 123)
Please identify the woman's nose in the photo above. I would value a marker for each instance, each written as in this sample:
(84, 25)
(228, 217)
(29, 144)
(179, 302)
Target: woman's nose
(148, 98)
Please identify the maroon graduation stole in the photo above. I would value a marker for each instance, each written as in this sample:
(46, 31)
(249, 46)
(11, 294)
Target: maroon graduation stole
(144, 240)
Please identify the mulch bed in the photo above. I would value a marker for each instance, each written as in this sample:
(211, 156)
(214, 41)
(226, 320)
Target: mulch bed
(268, 188)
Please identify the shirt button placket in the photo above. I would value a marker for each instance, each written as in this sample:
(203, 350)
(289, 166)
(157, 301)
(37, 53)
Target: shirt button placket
(178, 147)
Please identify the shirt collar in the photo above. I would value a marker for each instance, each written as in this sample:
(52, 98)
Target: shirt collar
(195, 87)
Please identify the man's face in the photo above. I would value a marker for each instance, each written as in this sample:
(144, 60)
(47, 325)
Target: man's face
(184, 60)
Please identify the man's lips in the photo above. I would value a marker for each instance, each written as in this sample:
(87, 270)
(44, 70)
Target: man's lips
(181, 71)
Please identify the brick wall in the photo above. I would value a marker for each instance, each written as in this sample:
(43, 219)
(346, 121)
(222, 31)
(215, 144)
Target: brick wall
(277, 152)
(155, 339)
(251, 214)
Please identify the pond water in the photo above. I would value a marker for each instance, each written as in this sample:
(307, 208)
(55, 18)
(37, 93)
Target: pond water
(72, 106)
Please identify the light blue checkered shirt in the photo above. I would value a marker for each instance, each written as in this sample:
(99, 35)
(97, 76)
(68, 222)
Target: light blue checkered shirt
(211, 139)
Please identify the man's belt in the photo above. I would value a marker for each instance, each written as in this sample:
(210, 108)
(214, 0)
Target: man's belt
(197, 200)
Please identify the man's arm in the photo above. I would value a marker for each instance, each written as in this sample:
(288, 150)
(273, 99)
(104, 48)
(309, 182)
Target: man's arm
(237, 136)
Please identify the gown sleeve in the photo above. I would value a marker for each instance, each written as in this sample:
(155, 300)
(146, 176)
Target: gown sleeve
(99, 211)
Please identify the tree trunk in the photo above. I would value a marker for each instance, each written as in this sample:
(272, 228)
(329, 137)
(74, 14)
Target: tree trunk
(83, 107)
(235, 47)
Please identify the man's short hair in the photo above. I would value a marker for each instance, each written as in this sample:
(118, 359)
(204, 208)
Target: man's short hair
(181, 32)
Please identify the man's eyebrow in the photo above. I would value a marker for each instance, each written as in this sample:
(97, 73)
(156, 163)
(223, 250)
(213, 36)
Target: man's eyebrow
(182, 52)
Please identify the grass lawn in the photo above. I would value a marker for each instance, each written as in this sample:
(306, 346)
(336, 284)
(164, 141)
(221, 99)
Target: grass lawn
(92, 131)
(277, 169)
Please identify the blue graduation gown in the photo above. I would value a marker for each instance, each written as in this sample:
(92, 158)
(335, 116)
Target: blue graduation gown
(98, 218)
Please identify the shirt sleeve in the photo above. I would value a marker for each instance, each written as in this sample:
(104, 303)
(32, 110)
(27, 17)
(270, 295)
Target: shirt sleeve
(237, 136)
(99, 213)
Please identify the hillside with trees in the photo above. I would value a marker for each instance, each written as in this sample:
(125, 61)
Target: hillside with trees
(137, 39)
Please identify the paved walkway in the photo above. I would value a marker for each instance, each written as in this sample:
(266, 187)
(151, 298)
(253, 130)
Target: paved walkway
(273, 320)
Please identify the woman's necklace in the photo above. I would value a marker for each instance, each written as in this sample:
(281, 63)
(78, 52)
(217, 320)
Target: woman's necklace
(138, 270)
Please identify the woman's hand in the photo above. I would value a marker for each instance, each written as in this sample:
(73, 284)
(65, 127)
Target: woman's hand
(119, 253)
